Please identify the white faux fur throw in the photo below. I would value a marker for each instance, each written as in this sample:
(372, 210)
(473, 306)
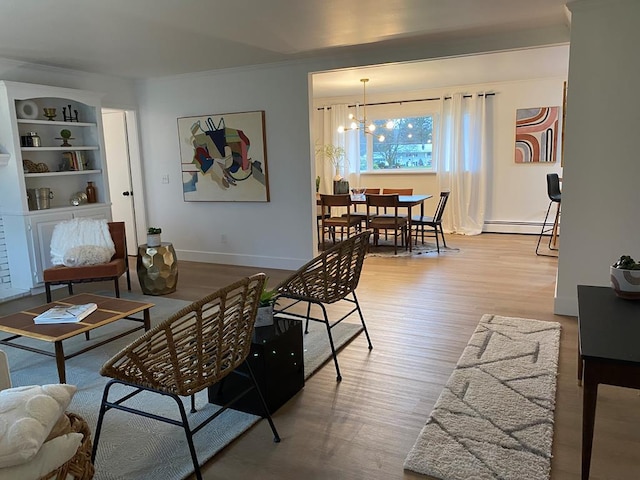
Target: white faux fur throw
(79, 232)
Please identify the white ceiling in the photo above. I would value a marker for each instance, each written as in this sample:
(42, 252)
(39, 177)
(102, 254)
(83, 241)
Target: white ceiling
(152, 38)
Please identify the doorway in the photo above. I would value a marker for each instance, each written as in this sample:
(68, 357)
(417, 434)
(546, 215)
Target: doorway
(122, 155)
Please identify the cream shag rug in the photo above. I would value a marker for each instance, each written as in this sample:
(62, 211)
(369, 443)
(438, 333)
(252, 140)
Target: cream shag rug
(494, 418)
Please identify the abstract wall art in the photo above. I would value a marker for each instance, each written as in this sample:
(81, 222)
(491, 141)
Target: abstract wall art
(224, 157)
(536, 135)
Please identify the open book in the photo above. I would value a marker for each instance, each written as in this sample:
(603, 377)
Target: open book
(71, 314)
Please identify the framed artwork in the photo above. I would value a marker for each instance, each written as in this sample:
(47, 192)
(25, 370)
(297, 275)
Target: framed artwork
(536, 135)
(224, 157)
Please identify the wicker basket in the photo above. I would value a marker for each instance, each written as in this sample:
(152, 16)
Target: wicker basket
(79, 467)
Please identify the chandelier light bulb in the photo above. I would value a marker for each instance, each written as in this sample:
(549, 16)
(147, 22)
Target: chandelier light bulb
(354, 126)
(371, 127)
(410, 125)
(351, 116)
(381, 138)
(341, 129)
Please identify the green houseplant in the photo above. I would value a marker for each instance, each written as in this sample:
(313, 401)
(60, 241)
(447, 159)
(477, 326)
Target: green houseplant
(625, 277)
(153, 237)
(335, 154)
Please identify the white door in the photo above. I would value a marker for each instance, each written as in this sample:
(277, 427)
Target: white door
(118, 162)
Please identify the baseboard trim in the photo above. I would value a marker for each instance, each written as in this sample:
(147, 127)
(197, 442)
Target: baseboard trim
(240, 260)
(566, 306)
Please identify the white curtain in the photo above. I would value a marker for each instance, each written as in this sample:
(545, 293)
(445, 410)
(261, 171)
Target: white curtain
(332, 117)
(462, 161)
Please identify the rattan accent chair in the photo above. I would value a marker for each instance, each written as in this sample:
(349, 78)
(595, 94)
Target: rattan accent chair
(330, 277)
(193, 349)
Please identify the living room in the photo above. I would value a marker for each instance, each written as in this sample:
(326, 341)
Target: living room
(280, 234)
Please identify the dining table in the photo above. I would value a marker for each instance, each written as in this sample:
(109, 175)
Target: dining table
(404, 201)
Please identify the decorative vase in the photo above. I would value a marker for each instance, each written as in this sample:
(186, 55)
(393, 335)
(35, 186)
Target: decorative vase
(264, 317)
(626, 283)
(153, 240)
(91, 193)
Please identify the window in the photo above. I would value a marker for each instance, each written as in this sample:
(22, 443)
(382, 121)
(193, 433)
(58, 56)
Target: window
(401, 143)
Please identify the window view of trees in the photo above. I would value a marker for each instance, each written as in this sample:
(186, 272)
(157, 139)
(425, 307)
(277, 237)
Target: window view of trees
(407, 144)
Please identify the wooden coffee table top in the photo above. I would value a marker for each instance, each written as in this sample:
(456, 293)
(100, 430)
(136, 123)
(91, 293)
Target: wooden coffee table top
(109, 310)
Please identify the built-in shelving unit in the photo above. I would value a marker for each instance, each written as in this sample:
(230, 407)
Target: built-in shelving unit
(62, 170)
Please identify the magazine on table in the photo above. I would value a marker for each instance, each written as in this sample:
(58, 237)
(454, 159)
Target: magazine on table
(70, 314)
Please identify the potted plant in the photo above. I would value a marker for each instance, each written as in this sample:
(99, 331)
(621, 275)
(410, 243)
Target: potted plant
(153, 237)
(625, 277)
(264, 316)
(335, 154)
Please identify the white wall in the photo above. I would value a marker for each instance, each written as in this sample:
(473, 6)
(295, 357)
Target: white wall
(601, 194)
(517, 199)
(279, 234)
(266, 234)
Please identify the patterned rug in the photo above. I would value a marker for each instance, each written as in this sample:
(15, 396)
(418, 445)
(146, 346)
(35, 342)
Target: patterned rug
(136, 447)
(494, 418)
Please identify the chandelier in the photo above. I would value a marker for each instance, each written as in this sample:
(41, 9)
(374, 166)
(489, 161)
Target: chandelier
(361, 123)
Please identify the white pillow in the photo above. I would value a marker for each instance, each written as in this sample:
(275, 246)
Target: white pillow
(53, 453)
(86, 255)
(27, 415)
(78, 232)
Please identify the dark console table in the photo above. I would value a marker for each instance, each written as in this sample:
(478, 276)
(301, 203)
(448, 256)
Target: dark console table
(608, 353)
(277, 361)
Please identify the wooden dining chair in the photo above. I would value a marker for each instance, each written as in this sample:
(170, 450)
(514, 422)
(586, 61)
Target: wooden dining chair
(347, 224)
(395, 221)
(363, 215)
(396, 191)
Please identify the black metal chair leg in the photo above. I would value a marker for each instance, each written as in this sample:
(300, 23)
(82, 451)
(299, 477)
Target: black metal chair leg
(276, 437)
(47, 289)
(103, 410)
(193, 404)
(333, 348)
(364, 327)
(306, 326)
(189, 435)
(544, 224)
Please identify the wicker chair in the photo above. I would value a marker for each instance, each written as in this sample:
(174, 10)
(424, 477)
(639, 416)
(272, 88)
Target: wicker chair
(193, 349)
(330, 277)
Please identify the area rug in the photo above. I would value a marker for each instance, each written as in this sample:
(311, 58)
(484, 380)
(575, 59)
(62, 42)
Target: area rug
(136, 447)
(494, 418)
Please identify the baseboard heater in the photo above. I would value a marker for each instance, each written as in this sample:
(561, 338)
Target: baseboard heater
(509, 226)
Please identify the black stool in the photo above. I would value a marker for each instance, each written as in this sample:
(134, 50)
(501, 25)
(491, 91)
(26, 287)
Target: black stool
(553, 191)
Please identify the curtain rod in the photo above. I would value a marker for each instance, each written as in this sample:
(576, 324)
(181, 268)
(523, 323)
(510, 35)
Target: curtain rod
(411, 101)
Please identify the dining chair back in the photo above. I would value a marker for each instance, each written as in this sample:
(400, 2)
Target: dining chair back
(555, 196)
(392, 221)
(426, 226)
(334, 221)
(398, 191)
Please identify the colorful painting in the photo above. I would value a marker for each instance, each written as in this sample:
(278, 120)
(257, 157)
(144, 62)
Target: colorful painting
(224, 158)
(536, 134)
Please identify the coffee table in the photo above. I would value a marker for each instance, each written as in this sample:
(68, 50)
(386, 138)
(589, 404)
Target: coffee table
(109, 310)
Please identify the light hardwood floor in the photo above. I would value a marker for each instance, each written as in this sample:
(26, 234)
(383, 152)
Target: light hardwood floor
(420, 312)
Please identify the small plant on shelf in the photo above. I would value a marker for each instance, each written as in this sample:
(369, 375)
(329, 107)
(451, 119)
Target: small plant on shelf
(625, 262)
(268, 298)
(625, 277)
(154, 231)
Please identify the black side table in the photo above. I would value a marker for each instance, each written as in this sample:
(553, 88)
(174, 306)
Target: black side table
(277, 361)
